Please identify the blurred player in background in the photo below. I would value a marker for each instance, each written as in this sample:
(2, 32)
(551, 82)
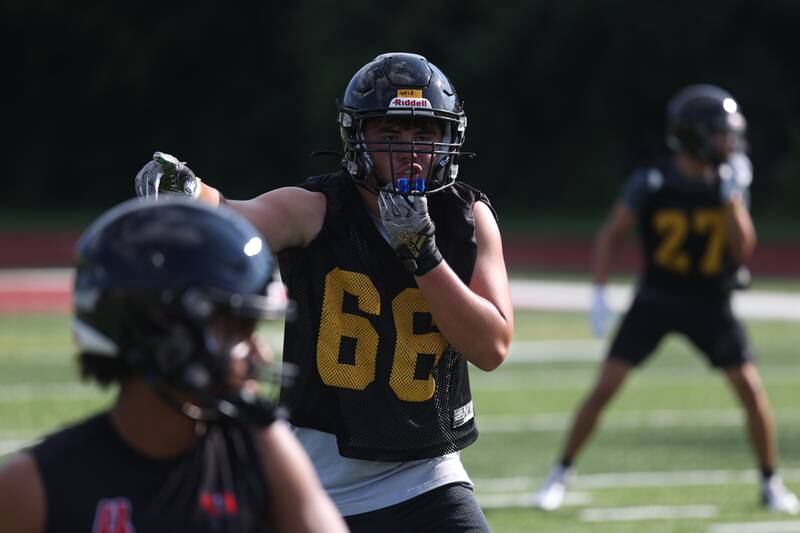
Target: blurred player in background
(166, 300)
(693, 220)
(399, 278)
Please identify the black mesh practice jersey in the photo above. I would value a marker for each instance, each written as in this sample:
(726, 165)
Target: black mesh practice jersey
(96, 483)
(683, 231)
(373, 368)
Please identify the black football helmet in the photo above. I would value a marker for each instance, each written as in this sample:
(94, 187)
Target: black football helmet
(149, 279)
(402, 85)
(698, 111)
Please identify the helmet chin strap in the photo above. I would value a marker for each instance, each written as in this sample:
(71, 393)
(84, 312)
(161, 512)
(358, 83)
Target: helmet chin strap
(364, 161)
(368, 170)
(193, 397)
(191, 410)
(245, 407)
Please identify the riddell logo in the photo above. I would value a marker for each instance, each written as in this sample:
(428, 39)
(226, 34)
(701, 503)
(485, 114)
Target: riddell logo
(410, 102)
(113, 515)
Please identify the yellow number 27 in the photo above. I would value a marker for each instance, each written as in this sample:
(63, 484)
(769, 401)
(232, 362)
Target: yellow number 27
(674, 226)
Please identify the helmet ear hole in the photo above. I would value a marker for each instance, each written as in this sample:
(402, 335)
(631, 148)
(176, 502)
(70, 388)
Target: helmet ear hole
(174, 351)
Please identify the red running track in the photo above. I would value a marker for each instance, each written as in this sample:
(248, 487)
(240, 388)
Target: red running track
(38, 291)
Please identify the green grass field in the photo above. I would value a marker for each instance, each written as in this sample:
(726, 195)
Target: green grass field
(671, 445)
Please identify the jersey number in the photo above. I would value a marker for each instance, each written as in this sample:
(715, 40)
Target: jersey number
(338, 327)
(674, 226)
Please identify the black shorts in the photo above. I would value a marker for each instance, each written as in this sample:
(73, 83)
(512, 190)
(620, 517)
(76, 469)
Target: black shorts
(708, 323)
(447, 509)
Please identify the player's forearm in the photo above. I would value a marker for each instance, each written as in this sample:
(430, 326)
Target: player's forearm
(605, 248)
(742, 237)
(609, 240)
(470, 323)
(209, 194)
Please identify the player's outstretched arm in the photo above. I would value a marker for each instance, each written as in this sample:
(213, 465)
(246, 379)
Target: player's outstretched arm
(22, 502)
(288, 216)
(298, 502)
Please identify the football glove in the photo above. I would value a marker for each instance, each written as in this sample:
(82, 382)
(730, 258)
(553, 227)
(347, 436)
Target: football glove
(735, 177)
(599, 312)
(410, 230)
(166, 174)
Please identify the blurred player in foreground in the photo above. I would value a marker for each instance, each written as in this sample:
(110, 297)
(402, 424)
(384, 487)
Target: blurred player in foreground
(696, 232)
(400, 282)
(167, 297)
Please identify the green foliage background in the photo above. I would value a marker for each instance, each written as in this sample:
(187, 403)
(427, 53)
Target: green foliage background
(564, 97)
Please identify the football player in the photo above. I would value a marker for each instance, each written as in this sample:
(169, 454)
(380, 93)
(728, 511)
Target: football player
(166, 300)
(696, 233)
(398, 273)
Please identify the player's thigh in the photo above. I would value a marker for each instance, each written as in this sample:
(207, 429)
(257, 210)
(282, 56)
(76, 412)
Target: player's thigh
(642, 328)
(718, 334)
(448, 509)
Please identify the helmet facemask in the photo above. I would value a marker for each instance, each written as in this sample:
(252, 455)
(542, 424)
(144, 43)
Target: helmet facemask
(175, 342)
(440, 155)
(223, 380)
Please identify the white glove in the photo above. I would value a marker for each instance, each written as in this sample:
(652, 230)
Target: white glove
(165, 173)
(599, 312)
(735, 177)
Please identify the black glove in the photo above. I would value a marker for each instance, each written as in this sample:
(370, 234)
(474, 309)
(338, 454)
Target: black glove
(166, 174)
(410, 229)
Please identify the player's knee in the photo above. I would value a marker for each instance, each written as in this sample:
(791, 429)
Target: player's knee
(748, 386)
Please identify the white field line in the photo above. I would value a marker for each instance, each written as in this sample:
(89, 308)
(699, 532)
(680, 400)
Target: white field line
(26, 392)
(784, 526)
(540, 422)
(10, 446)
(572, 296)
(33, 279)
(666, 378)
(566, 379)
(525, 294)
(648, 512)
(503, 501)
(607, 514)
(651, 419)
(686, 478)
(555, 350)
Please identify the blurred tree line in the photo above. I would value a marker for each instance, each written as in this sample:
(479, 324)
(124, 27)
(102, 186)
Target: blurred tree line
(564, 97)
